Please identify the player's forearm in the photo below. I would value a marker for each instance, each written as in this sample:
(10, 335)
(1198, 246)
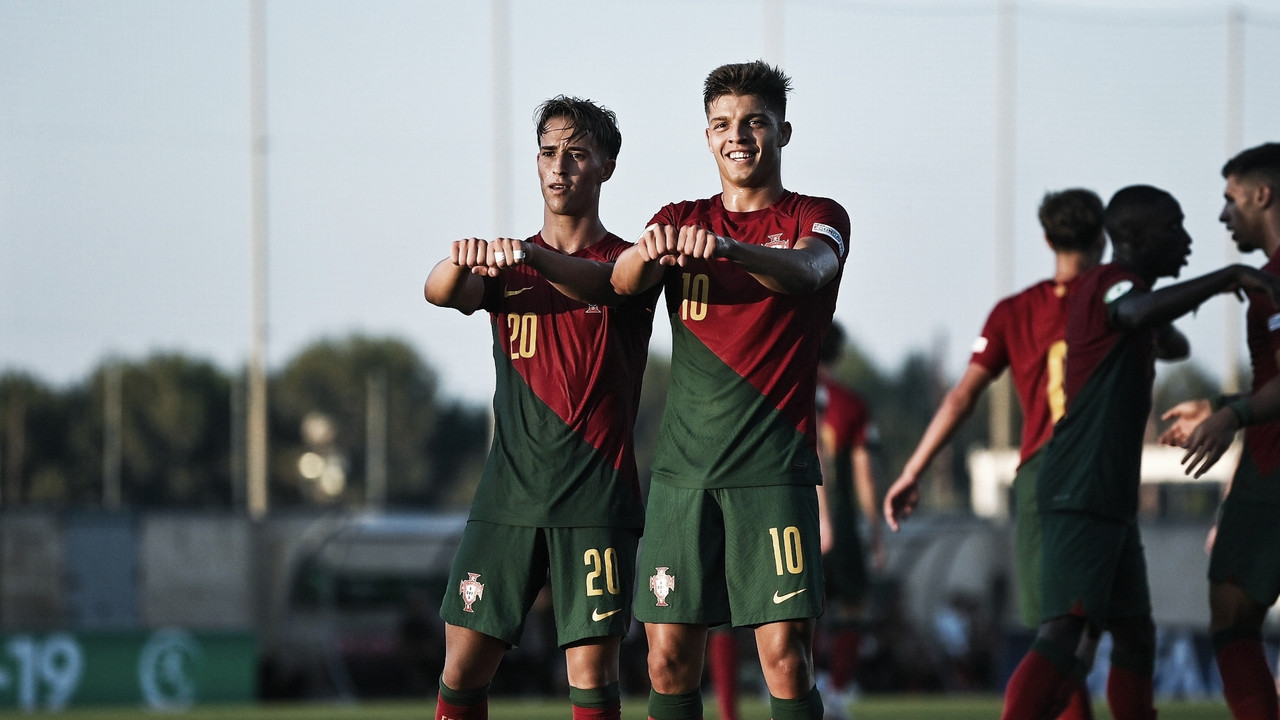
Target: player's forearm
(453, 286)
(633, 274)
(586, 281)
(955, 408)
(797, 271)
(1170, 303)
(864, 481)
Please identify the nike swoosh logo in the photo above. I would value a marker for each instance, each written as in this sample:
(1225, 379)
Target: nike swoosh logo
(779, 599)
(509, 293)
(597, 616)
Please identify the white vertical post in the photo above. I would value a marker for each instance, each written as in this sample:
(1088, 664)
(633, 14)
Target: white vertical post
(1234, 139)
(256, 442)
(1006, 152)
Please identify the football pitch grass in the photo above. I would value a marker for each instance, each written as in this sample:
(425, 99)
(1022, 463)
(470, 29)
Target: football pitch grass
(889, 707)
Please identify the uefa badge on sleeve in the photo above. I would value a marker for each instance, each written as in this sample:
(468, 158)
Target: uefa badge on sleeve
(471, 591)
(662, 585)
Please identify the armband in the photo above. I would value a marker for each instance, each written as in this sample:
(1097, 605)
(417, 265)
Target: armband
(1240, 407)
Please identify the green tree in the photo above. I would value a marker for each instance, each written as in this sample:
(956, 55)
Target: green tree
(332, 383)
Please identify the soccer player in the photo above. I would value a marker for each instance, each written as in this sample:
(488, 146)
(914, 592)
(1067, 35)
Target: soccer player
(845, 431)
(1094, 574)
(750, 277)
(849, 486)
(560, 492)
(1025, 333)
(1244, 565)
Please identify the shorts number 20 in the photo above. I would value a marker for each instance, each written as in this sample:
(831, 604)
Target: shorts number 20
(603, 565)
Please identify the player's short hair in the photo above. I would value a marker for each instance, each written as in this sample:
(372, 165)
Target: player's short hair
(1072, 218)
(590, 120)
(1257, 164)
(757, 77)
(1128, 213)
(832, 344)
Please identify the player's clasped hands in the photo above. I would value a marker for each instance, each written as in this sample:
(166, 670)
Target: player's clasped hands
(670, 245)
(1205, 434)
(488, 257)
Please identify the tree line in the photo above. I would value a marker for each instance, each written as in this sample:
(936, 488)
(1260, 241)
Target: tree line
(167, 431)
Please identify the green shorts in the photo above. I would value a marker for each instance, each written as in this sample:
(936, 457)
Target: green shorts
(1246, 551)
(1026, 545)
(1094, 568)
(499, 570)
(743, 555)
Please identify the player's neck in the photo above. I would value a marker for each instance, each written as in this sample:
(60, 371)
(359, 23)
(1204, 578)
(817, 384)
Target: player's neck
(1070, 265)
(571, 233)
(737, 198)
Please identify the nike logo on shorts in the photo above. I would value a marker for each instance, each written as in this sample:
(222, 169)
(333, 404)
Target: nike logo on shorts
(779, 599)
(509, 293)
(597, 616)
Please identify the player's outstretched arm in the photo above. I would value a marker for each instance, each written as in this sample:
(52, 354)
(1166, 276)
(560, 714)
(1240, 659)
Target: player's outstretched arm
(1143, 310)
(455, 281)
(583, 280)
(903, 496)
(804, 268)
(642, 265)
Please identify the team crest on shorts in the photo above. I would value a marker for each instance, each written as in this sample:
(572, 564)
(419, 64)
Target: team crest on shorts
(662, 585)
(471, 591)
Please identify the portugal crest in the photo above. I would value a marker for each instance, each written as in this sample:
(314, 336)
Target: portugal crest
(471, 591)
(662, 585)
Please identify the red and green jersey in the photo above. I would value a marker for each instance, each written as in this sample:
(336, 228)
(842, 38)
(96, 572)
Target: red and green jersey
(1026, 333)
(1093, 461)
(844, 423)
(568, 384)
(740, 407)
(1262, 441)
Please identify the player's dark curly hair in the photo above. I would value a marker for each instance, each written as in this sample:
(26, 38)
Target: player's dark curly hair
(595, 122)
(1128, 214)
(1257, 164)
(758, 78)
(1072, 218)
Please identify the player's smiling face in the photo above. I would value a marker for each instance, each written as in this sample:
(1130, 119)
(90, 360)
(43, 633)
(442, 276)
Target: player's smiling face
(571, 169)
(747, 140)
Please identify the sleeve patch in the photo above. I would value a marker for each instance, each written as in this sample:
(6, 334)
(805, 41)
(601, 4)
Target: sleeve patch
(1273, 323)
(1117, 291)
(979, 344)
(831, 233)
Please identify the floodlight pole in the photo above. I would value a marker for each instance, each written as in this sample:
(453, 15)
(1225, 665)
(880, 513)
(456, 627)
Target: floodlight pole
(1235, 139)
(256, 441)
(1001, 418)
(500, 37)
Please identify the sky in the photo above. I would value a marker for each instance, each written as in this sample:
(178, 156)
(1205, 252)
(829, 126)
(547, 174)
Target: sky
(125, 176)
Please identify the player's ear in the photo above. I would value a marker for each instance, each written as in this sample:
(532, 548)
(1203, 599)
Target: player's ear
(606, 172)
(1265, 195)
(707, 132)
(785, 134)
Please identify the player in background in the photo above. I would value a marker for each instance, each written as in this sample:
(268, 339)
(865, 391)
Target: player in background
(845, 434)
(1244, 563)
(1025, 333)
(845, 431)
(560, 492)
(1094, 574)
(750, 277)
